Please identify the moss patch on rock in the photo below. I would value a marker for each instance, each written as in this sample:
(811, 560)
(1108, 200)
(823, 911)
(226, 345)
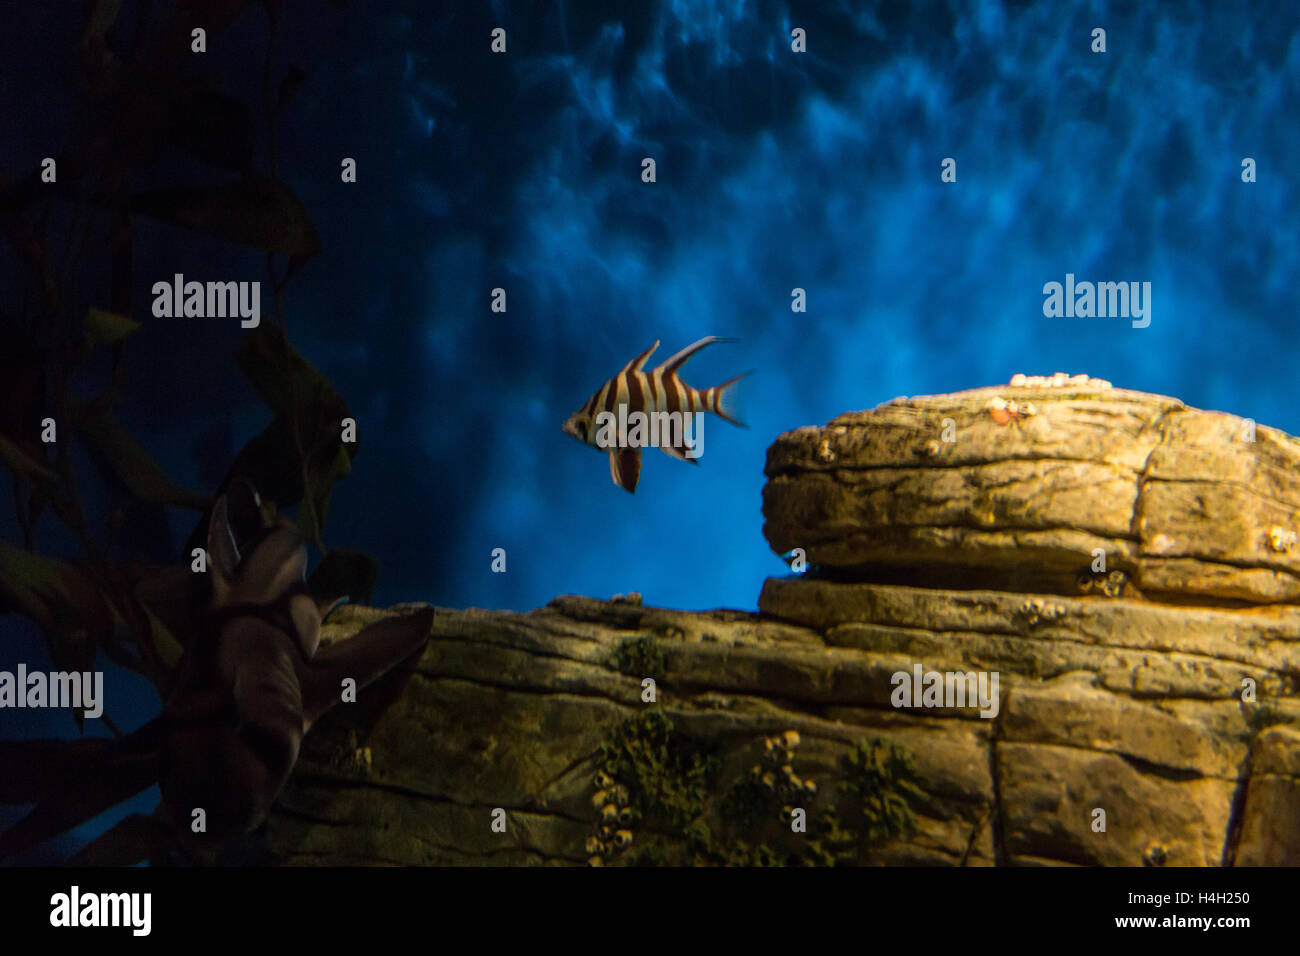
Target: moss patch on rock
(640, 656)
(663, 790)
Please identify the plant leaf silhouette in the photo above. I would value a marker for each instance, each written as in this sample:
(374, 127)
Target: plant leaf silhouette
(251, 213)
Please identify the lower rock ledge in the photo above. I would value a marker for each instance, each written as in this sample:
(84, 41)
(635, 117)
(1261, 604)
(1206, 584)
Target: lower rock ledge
(773, 738)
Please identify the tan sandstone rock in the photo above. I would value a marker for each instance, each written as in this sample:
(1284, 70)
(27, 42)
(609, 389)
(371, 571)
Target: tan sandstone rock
(1119, 695)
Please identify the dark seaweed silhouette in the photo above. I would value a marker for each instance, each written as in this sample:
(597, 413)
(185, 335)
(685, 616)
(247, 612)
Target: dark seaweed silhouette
(224, 742)
(252, 681)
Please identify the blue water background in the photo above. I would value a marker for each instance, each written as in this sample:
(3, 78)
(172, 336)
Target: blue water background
(775, 170)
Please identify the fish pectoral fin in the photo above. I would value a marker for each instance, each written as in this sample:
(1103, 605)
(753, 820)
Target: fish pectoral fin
(678, 452)
(625, 467)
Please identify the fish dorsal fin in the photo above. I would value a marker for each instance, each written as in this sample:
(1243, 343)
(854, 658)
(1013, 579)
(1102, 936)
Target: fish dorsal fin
(673, 363)
(625, 467)
(639, 362)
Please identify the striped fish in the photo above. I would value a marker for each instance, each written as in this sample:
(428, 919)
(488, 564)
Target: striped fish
(657, 390)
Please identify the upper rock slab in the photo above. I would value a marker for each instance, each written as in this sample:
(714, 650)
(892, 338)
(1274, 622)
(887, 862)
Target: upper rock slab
(1016, 487)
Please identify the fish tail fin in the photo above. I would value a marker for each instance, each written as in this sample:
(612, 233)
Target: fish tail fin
(725, 400)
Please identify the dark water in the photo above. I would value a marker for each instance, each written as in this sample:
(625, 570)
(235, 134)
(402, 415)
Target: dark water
(775, 171)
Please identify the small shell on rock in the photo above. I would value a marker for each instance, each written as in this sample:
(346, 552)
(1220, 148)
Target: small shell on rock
(1161, 544)
(1004, 411)
(1114, 584)
(1036, 611)
(1281, 539)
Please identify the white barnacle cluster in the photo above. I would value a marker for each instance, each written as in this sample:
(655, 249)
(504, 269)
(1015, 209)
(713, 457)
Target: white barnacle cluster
(1036, 611)
(1057, 380)
(1109, 584)
(776, 770)
(616, 816)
